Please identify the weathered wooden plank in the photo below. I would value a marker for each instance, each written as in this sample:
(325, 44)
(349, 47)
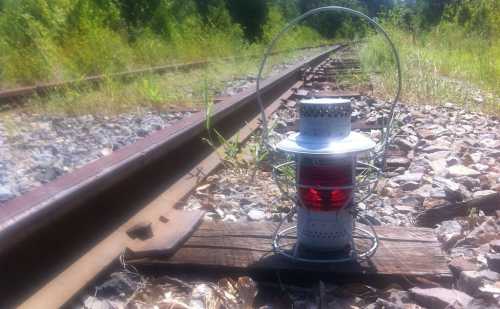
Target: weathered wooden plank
(253, 229)
(390, 262)
(247, 247)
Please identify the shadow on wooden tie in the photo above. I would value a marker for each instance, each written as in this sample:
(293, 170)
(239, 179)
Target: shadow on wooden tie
(247, 247)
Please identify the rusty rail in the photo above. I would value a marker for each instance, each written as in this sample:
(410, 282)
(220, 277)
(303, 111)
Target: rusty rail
(78, 209)
(16, 94)
(43, 89)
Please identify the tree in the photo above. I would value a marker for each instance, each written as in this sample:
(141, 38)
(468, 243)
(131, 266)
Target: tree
(335, 24)
(251, 15)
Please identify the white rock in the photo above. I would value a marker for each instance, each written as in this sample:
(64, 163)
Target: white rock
(492, 289)
(476, 157)
(201, 295)
(449, 232)
(92, 302)
(424, 191)
(106, 151)
(220, 213)
(413, 177)
(461, 170)
(480, 167)
(202, 189)
(434, 151)
(230, 218)
(439, 166)
(375, 134)
(405, 209)
(478, 98)
(446, 184)
(489, 143)
(406, 143)
(256, 215)
(5, 194)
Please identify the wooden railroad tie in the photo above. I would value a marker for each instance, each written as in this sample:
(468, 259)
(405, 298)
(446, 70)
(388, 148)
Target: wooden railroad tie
(408, 251)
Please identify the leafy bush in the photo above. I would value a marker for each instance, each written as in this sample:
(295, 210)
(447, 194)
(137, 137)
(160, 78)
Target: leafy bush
(55, 40)
(28, 44)
(476, 16)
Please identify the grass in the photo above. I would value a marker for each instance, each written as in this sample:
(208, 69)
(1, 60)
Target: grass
(230, 151)
(230, 147)
(153, 91)
(57, 40)
(444, 65)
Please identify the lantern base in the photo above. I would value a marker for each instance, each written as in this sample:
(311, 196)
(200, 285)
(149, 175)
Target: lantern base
(300, 254)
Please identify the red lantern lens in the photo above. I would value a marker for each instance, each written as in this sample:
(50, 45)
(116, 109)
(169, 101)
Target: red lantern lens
(317, 177)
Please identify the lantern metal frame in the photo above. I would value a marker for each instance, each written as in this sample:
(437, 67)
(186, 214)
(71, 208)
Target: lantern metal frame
(378, 154)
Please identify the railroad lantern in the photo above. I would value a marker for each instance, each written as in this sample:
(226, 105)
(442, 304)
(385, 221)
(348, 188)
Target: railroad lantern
(324, 160)
(324, 152)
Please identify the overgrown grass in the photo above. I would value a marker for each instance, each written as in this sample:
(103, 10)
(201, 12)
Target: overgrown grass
(444, 65)
(154, 91)
(57, 40)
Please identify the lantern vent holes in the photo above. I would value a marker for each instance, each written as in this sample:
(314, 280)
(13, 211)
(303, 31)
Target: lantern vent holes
(327, 235)
(299, 253)
(315, 111)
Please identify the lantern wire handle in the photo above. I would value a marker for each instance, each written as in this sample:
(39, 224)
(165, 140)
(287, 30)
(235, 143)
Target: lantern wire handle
(294, 22)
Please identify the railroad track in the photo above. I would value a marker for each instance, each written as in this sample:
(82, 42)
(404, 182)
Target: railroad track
(18, 94)
(58, 238)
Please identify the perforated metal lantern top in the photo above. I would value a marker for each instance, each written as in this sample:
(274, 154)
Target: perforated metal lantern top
(325, 129)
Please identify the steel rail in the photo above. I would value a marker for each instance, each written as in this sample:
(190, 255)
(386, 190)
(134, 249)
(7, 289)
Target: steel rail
(93, 195)
(70, 282)
(20, 215)
(44, 88)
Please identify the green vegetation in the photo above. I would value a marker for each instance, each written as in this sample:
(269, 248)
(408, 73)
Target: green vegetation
(156, 91)
(53, 40)
(56, 40)
(456, 60)
(230, 147)
(450, 50)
